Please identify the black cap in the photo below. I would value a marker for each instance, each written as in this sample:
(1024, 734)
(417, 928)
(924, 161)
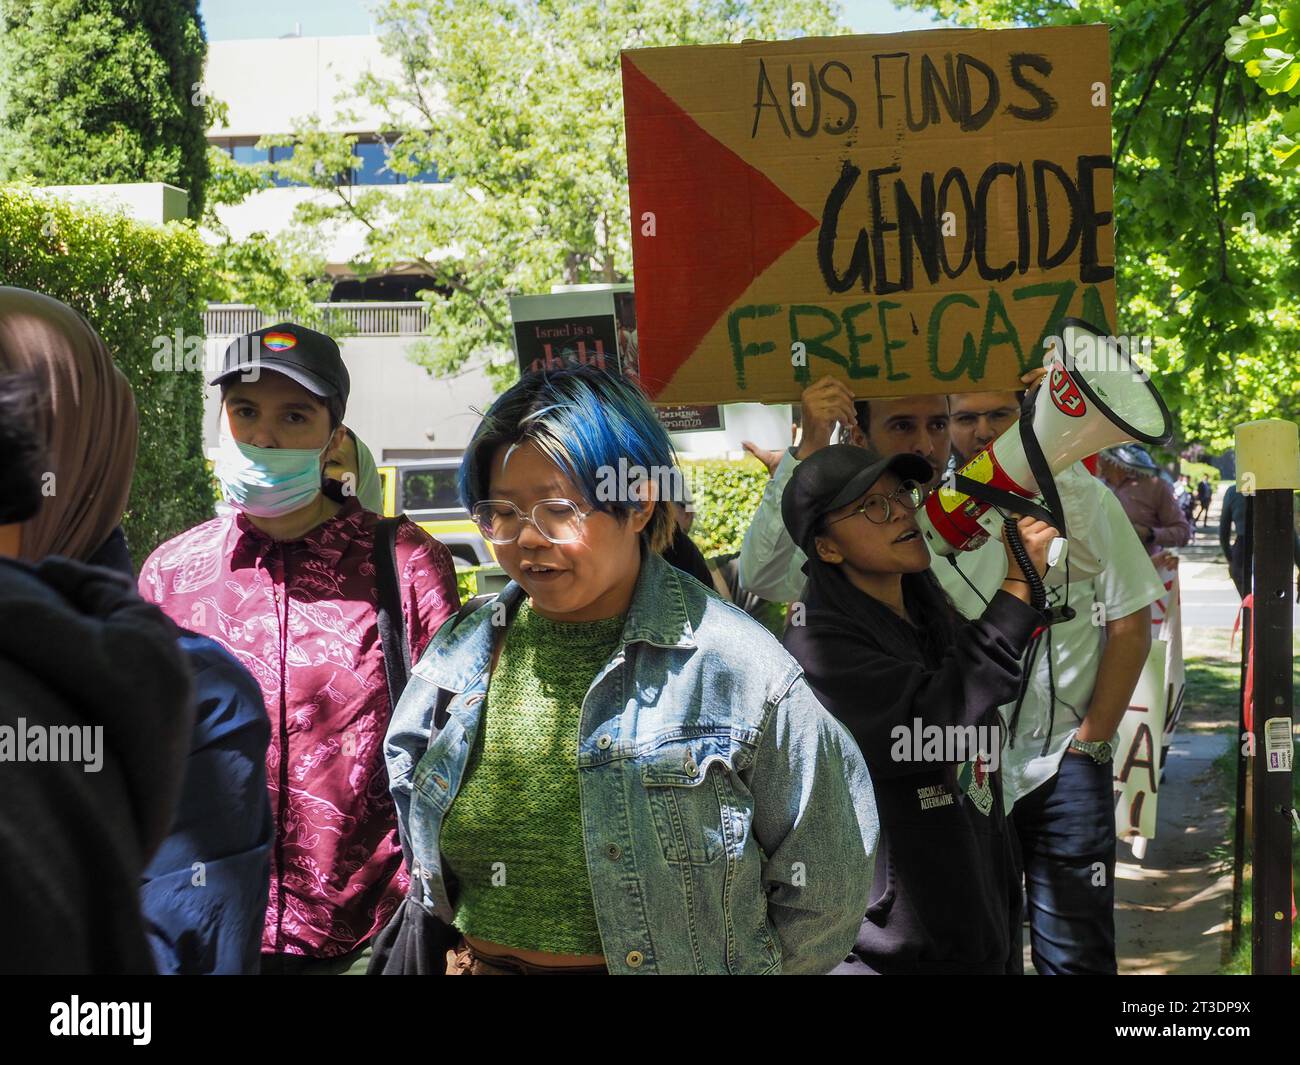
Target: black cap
(834, 477)
(303, 355)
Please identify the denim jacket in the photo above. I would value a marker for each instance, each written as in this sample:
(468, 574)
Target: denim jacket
(729, 820)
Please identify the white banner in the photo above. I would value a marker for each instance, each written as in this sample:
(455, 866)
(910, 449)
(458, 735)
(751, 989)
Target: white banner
(1138, 750)
(1148, 726)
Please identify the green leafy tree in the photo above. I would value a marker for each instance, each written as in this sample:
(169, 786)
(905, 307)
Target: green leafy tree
(519, 107)
(1205, 241)
(1268, 47)
(96, 91)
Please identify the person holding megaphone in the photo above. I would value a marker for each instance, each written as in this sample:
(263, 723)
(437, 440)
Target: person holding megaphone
(918, 687)
(1080, 673)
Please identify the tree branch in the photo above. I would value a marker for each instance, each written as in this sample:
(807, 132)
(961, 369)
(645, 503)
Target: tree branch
(1155, 73)
(1216, 57)
(1214, 174)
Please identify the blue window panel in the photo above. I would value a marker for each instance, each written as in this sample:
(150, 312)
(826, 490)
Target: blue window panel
(279, 155)
(249, 153)
(428, 176)
(372, 170)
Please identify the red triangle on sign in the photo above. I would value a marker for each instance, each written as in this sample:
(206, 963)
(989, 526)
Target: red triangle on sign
(719, 223)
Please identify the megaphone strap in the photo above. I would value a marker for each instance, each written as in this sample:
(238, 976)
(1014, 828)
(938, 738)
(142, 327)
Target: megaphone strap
(1001, 498)
(1039, 468)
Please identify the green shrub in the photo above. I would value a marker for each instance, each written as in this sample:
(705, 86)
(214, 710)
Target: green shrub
(136, 284)
(725, 494)
(467, 583)
(1196, 470)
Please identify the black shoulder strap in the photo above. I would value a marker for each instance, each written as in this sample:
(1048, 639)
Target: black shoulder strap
(392, 626)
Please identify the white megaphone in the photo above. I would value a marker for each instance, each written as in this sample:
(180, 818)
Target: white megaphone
(1093, 396)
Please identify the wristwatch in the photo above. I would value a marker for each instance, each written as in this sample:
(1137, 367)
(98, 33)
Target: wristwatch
(1100, 751)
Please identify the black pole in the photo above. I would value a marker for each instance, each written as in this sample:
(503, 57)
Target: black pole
(1271, 896)
(1245, 548)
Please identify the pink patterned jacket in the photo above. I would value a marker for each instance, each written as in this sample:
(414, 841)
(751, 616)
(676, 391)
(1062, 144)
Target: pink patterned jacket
(301, 617)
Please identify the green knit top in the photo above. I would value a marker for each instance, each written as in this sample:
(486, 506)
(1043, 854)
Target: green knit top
(513, 836)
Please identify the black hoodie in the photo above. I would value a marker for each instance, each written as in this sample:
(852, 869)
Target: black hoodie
(80, 650)
(947, 883)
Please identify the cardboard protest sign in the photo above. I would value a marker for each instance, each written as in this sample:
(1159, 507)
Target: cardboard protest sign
(910, 213)
(1167, 625)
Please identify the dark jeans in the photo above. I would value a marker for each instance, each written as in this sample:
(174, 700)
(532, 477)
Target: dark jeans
(1066, 829)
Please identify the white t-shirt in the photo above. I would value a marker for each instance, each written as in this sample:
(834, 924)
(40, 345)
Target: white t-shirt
(1044, 728)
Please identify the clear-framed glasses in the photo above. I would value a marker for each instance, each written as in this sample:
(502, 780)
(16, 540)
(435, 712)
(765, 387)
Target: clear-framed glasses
(501, 522)
(876, 508)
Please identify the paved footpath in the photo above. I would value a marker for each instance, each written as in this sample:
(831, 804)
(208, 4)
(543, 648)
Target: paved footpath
(1171, 908)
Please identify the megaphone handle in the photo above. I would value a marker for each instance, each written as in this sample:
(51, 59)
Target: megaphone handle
(1037, 590)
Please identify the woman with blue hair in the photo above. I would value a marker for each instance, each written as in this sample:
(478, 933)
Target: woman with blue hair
(608, 768)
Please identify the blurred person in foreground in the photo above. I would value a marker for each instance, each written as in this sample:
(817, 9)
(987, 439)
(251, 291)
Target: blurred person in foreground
(97, 713)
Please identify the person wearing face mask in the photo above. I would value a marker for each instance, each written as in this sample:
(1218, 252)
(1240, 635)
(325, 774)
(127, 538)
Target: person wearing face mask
(609, 768)
(286, 581)
(887, 653)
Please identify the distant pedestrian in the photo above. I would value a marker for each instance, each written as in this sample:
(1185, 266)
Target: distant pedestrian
(1148, 501)
(1184, 497)
(1203, 496)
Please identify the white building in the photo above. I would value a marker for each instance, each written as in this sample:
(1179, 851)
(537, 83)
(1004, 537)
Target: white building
(269, 86)
(396, 407)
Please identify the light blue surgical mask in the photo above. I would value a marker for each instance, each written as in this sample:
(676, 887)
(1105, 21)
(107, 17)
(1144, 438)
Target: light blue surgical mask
(266, 482)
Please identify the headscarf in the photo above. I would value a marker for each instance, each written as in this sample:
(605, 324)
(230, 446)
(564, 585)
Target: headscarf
(85, 419)
(365, 483)
(370, 490)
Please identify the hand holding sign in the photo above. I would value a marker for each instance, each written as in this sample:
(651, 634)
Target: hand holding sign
(822, 405)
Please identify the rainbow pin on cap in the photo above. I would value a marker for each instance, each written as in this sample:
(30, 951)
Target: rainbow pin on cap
(278, 341)
(303, 355)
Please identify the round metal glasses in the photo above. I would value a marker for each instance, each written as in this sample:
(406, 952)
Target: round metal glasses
(876, 508)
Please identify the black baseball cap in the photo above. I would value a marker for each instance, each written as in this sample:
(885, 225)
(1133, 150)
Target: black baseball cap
(303, 355)
(835, 476)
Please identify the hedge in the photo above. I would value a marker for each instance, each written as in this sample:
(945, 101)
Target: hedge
(137, 284)
(725, 495)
